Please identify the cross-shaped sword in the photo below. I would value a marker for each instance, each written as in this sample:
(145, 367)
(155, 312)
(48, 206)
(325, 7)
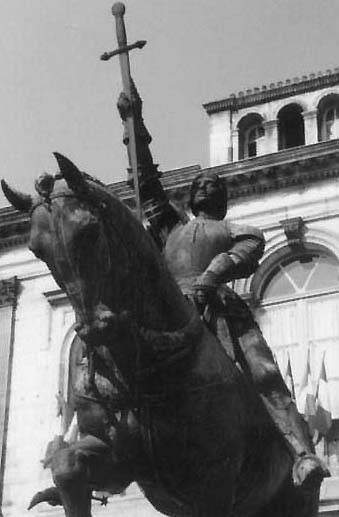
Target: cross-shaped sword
(118, 11)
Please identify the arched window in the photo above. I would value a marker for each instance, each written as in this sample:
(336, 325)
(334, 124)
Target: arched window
(328, 117)
(291, 127)
(299, 309)
(299, 313)
(251, 133)
(330, 127)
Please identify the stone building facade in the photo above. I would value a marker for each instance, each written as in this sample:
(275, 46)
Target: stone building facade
(278, 149)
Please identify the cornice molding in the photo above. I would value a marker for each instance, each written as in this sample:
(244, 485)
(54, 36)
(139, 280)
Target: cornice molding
(288, 168)
(15, 240)
(56, 297)
(274, 91)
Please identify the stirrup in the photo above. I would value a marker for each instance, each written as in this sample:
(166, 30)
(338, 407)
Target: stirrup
(309, 470)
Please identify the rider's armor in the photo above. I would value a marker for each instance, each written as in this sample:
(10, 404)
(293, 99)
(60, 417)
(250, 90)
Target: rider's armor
(229, 251)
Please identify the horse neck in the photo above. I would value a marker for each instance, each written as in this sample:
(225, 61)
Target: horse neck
(149, 291)
(160, 311)
(163, 306)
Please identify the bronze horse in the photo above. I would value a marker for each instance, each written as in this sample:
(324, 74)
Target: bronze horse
(194, 434)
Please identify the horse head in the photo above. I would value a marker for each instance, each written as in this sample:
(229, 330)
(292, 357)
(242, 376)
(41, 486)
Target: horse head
(99, 254)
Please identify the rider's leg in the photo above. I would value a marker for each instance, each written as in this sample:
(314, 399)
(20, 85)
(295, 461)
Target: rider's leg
(277, 399)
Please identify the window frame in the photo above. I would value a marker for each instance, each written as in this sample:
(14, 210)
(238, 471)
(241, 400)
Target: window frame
(327, 124)
(248, 141)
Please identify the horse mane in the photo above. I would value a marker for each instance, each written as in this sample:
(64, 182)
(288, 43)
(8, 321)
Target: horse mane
(113, 210)
(154, 285)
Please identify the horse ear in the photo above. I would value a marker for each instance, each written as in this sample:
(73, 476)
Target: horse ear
(72, 175)
(20, 201)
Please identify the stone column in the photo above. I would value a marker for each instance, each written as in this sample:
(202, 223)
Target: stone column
(8, 294)
(271, 135)
(235, 144)
(311, 127)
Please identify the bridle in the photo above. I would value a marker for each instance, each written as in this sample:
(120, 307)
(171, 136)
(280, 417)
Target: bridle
(77, 297)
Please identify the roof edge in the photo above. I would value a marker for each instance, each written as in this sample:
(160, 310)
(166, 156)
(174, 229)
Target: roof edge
(274, 91)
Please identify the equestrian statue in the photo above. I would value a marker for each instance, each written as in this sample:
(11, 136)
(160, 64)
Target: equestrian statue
(179, 391)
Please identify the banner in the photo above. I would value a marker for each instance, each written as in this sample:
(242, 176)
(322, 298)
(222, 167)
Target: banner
(289, 378)
(323, 416)
(306, 399)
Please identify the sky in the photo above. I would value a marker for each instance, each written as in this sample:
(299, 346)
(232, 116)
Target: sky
(56, 94)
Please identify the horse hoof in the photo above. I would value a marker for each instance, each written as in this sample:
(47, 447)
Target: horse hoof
(49, 495)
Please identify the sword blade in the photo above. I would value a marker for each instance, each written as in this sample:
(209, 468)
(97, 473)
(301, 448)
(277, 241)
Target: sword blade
(118, 11)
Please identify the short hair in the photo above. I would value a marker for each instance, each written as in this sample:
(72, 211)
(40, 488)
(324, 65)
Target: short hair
(221, 201)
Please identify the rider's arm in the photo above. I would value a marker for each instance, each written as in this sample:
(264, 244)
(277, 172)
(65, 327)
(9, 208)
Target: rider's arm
(239, 261)
(162, 216)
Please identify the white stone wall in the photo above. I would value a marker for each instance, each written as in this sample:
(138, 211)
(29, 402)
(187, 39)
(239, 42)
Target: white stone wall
(33, 386)
(220, 138)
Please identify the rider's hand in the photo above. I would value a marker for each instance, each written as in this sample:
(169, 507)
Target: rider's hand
(204, 288)
(124, 106)
(201, 298)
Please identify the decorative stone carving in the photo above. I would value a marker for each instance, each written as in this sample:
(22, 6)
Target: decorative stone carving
(8, 291)
(294, 231)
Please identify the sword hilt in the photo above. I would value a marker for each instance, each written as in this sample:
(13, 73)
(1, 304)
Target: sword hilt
(107, 55)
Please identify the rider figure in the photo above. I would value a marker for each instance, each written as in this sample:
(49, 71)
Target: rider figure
(204, 254)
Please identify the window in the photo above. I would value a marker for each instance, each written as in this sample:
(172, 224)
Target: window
(291, 127)
(299, 311)
(299, 276)
(252, 136)
(251, 132)
(328, 117)
(330, 127)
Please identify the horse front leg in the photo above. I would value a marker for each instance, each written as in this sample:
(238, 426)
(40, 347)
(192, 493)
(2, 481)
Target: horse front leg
(71, 478)
(87, 464)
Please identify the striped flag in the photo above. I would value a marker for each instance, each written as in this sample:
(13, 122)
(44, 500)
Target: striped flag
(289, 378)
(306, 398)
(323, 416)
